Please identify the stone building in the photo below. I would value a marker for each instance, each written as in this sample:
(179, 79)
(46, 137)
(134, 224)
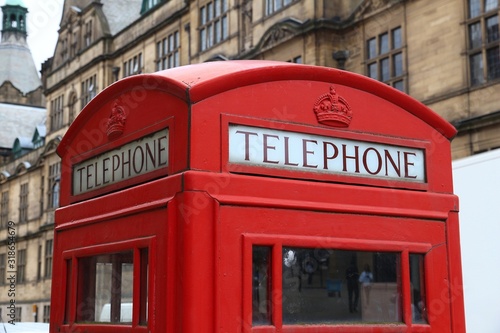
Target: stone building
(445, 53)
(25, 232)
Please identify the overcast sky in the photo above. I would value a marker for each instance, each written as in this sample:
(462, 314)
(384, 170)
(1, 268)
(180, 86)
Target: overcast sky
(44, 17)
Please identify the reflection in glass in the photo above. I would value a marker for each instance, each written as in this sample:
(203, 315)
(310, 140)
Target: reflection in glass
(331, 286)
(419, 315)
(261, 274)
(105, 288)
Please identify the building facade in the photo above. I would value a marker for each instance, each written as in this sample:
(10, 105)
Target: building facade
(445, 53)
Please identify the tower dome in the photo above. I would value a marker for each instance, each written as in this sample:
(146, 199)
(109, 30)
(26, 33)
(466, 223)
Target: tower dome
(16, 62)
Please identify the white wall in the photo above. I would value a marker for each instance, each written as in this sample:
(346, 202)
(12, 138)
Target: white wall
(477, 183)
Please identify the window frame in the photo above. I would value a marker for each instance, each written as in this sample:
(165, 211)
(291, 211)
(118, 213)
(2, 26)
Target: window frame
(23, 202)
(278, 242)
(49, 252)
(88, 90)
(168, 51)
(274, 6)
(381, 52)
(133, 66)
(57, 113)
(142, 292)
(482, 42)
(21, 266)
(213, 14)
(4, 209)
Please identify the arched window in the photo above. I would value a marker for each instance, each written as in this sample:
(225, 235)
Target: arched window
(13, 21)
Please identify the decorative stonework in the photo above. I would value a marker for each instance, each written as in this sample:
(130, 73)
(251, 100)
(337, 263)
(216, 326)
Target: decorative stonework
(116, 122)
(333, 110)
(276, 36)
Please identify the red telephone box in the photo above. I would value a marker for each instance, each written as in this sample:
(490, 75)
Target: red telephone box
(254, 196)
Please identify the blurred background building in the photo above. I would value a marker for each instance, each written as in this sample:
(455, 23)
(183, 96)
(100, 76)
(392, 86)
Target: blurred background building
(445, 53)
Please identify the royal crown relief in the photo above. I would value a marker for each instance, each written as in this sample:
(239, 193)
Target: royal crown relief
(116, 122)
(333, 110)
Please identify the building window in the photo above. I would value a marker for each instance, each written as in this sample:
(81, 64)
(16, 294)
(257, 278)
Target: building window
(133, 66)
(4, 210)
(273, 6)
(2, 268)
(87, 37)
(296, 60)
(23, 203)
(64, 49)
(56, 113)
(46, 313)
(484, 41)
(167, 52)
(19, 313)
(54, 176)
(74, 45)
(39, 266)
(384, 54)
(48, 258)
(148, 4)
(21, 266)
(89, 90)
(213, 23)
(72, 107)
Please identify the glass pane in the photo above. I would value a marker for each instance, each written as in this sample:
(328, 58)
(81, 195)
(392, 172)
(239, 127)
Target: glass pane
(210, 35)
(210, 11)
(475, 35)
(218, 36)
(177, 61)
(384, 43)
(203, 15)
(203, 39)
(384, 69)
(372, 48)
(397, 63)
(490, 4)
(372, 71)
(399, 85)
(277, 5)
(474, 8)
(492, 28)
(225, 31)
(170, 43)
(493, 62)
(217, 8)
(144, 283)
(105, 288)
(261, 293)
(69, 278)
(396, 38)
(325, 286)
(476, 69)
(418, 299)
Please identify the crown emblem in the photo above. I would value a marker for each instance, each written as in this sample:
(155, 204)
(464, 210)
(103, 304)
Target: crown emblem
(332, 110)
(116, 122)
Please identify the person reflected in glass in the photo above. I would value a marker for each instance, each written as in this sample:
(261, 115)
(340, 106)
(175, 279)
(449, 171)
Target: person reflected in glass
(352, 276)
(366, 279)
